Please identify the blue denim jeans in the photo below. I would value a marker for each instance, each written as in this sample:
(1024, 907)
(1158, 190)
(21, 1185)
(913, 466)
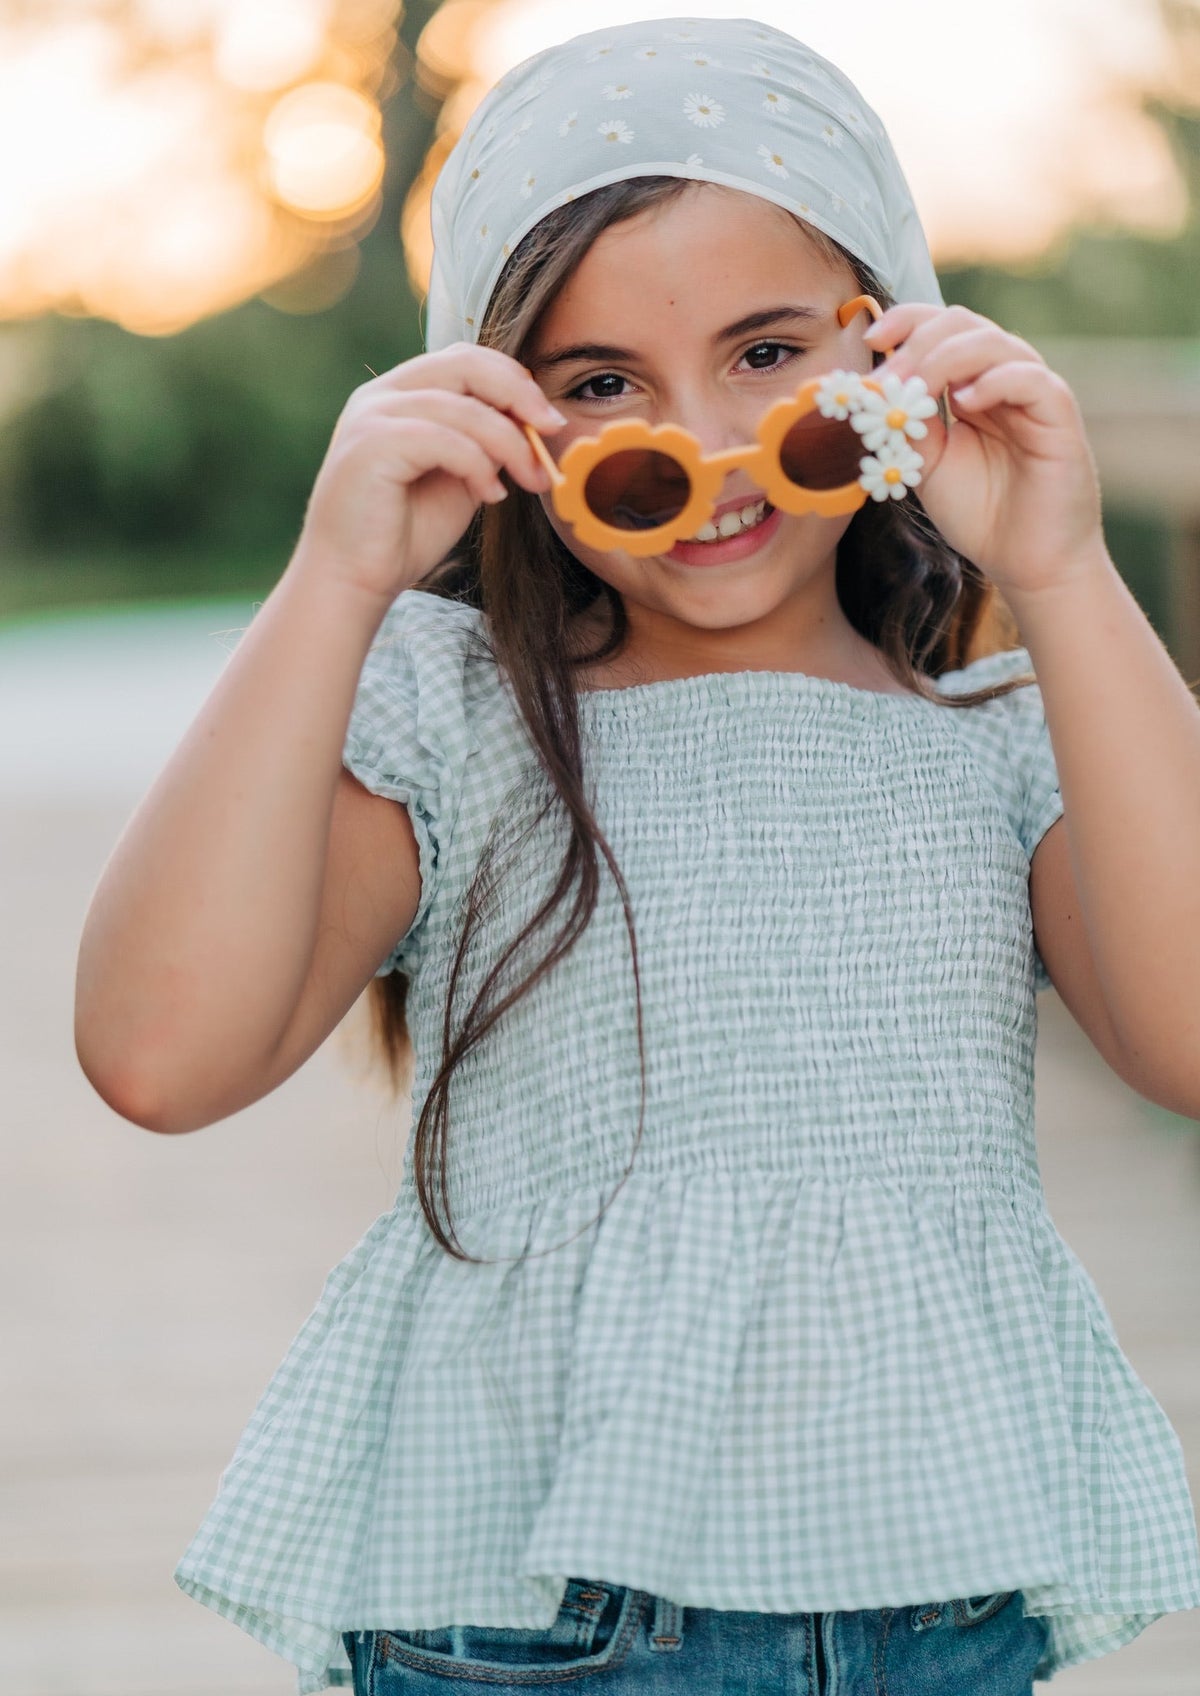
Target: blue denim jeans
(619, 1641)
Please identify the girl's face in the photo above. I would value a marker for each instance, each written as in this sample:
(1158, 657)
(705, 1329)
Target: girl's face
(702, 312)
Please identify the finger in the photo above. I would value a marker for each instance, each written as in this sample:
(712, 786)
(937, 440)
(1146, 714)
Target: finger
(922, 337)
(899, 321)
(484, 372)
(957, 358)
(505, 443)
(422, 446)
(1043, 394)
(914, 342)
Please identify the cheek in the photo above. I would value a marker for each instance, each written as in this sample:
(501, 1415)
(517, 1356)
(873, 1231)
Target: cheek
(603, 565)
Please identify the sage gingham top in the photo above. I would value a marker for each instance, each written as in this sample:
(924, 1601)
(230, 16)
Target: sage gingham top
(824, 1347)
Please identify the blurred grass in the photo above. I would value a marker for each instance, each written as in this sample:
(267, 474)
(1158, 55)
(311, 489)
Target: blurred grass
(40, 585)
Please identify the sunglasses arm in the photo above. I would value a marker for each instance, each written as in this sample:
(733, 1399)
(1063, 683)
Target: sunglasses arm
(540, 449)
(861, 301)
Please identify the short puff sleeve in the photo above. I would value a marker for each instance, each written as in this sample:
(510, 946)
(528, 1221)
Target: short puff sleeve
(1012, 743)
(409, 733)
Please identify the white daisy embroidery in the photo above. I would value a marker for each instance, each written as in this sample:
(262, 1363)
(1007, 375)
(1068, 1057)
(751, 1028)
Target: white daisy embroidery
(760, 68)
(613, 129)
(646, 53)
(891, 473)
(701, 61)
(839, 394)
(681, 35)
(568, 123)
(483, 229)
(527, 183)
(601, 52)
(832, 136)
(694, 159)
(703, 111)
(835, 200)
(772, 160)
(775, 102)
(896, 414)
(617, 91)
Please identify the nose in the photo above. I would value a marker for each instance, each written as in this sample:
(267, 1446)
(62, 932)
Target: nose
(722, 425)
(717, 423)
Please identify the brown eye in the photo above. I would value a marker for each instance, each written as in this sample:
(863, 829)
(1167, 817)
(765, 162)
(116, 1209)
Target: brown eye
(604, 394)
(767, 349)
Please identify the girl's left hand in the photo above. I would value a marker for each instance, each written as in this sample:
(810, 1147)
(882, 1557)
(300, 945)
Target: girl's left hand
(1013, 484)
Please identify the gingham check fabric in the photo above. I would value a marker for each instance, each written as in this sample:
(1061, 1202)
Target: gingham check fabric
(824, 1348)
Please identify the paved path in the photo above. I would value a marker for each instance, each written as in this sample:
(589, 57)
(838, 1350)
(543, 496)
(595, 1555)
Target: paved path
(151, 1284)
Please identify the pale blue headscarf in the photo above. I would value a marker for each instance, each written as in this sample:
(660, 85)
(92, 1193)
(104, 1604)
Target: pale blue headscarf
(724, 100)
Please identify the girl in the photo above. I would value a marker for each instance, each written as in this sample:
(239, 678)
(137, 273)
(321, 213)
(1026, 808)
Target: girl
(727, 827)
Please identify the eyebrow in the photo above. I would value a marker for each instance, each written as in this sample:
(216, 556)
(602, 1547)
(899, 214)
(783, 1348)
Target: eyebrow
(764, 320)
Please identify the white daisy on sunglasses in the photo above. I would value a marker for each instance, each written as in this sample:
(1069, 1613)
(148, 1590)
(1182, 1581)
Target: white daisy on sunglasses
(890, 473)
(839, 394)
(897, 413)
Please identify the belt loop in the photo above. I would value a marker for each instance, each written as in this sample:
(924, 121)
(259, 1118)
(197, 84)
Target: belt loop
(666, 1632)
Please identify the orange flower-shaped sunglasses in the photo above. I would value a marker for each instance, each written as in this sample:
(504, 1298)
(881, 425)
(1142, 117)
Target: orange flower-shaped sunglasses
(642, 488)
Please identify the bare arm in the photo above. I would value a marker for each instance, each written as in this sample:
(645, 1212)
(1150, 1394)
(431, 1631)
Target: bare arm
(256, 887)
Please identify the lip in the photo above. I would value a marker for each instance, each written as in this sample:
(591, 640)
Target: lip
(734, 547)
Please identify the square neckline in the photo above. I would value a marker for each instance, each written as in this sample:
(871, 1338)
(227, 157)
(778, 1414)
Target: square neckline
(740, 679)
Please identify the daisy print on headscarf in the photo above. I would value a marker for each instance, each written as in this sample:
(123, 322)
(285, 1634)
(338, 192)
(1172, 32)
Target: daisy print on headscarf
(777, 120)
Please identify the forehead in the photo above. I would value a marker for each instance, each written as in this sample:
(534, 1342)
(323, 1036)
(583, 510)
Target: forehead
(694, 257)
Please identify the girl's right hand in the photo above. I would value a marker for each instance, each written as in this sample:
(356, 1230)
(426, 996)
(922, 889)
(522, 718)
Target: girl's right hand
(414, 452)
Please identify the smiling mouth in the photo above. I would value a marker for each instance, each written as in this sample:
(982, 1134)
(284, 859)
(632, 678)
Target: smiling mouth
(733, 523)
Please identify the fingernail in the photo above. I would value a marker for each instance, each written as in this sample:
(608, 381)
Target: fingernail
(555, 416)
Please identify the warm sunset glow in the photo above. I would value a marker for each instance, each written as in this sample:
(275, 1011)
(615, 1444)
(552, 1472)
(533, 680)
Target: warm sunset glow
(269, 45)
(322, 141)
(163, 159)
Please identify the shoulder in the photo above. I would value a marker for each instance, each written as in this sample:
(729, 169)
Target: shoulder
(423, 691)
(417, 618)
(988, 669)
(1010, 739)
(431, 656)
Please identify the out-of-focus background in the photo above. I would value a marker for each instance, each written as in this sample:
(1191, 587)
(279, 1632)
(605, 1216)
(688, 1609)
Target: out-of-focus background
(213, 220)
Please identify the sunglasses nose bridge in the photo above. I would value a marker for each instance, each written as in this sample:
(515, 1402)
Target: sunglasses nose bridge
(730, 459)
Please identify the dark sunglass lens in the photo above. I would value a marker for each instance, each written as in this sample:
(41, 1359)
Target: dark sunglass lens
(637, 489)
(821, 453)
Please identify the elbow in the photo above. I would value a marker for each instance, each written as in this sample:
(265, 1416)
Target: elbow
(126, 1089)
(1165, 1078)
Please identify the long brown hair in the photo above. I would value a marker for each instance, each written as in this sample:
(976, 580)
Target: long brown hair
(924, 606)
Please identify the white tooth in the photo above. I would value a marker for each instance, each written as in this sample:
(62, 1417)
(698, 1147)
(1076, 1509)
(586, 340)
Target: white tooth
(729, 523)
(706, 533)
(749, 514)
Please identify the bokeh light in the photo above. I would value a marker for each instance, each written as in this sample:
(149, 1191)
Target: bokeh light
(323, 147)
(161, 160)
